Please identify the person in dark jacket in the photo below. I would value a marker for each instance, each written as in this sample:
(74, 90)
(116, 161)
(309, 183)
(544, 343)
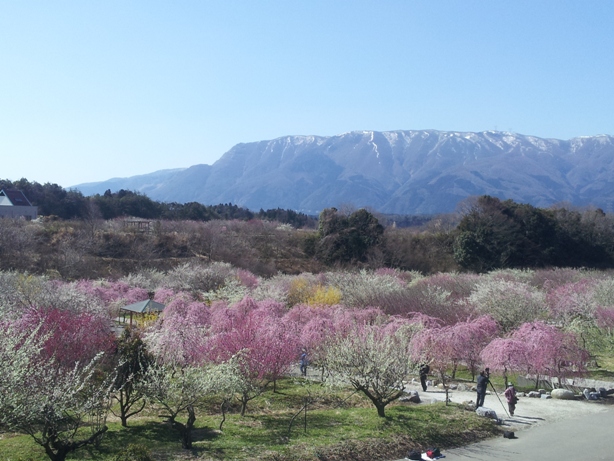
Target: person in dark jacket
(424, 372)
(304, 362)
(483, 380)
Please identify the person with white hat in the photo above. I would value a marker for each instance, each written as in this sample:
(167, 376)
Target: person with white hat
(510, 396)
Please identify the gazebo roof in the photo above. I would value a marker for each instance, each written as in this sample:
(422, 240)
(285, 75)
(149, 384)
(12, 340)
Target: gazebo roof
(144, 306)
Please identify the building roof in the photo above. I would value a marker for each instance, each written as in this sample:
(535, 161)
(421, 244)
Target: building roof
(144, 306)
(16, 197)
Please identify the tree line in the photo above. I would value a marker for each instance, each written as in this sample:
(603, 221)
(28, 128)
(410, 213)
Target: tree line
(53, 200)
(485, 234)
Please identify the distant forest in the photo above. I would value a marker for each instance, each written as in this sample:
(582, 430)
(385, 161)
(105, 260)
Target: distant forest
(88, 237)
(53, 200)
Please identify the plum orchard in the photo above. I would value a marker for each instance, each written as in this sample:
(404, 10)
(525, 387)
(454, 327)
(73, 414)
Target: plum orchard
(228, 334)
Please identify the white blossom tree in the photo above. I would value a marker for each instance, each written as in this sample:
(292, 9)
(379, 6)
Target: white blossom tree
(180, 389)
(510, 303)
(374, 360)
(46, 401)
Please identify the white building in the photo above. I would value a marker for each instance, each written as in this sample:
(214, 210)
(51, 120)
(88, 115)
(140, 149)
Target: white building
(13, 204)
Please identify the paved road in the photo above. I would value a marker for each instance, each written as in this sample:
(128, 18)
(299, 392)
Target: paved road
(588, 436)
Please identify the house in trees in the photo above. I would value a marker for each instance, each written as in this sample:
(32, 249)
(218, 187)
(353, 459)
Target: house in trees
(13, 204)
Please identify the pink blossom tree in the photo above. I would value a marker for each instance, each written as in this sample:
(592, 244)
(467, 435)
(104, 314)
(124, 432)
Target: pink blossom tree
(254, 332)
(552, 352)
(314, 329)
(181, 335)
(436, 347)
(506, 355)
(572, 300)
(470, 338)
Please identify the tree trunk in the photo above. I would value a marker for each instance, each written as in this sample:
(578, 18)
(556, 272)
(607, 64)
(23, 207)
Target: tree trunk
(57, 450)
(59, 455)
(244, 400)
(224, 403)
(442, 374)
(185, 430)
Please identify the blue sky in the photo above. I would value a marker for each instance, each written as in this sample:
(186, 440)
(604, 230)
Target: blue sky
(91, 90)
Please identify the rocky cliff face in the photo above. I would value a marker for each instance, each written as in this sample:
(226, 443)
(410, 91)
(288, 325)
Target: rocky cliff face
(405, 172)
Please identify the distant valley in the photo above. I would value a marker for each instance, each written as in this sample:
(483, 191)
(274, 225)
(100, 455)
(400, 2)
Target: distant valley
(394, 172)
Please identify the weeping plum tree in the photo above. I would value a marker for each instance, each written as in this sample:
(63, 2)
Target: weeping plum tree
(469, 338)
(506, 355)
(552, 352)
(374, 360)
(445, 347)
(436, 347)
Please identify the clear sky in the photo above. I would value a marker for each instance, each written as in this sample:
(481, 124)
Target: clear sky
(91, 90)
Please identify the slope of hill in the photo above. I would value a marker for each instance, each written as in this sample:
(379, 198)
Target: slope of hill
(403, 172)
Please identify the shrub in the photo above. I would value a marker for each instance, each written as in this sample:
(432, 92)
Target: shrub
(325, 296)
(134, 452)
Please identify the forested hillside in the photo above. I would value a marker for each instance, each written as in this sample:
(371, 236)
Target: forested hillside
(103, 238)
(54, 201)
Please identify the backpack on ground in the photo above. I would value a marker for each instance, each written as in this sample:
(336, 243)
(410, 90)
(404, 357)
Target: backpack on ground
(433, 452)
(414, 454)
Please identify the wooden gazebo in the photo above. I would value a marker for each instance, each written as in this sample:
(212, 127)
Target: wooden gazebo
(149, 306)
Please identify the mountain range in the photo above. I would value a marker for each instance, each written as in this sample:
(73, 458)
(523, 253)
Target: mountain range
(395, 172)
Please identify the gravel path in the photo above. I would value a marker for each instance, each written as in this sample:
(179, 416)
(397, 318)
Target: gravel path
(562, 427)
(529, 411)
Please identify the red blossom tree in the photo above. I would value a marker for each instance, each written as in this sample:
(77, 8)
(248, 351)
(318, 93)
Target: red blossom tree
(71, 337)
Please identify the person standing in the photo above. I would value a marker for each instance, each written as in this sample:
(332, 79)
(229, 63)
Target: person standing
(304, 362)
(510, 396)
(483, 380)
(424, 372)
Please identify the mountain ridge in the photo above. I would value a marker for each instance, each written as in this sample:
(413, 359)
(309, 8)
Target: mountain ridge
(400, 172)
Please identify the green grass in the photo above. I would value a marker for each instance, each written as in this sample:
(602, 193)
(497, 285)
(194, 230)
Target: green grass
(605, 369)
(338, 423)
